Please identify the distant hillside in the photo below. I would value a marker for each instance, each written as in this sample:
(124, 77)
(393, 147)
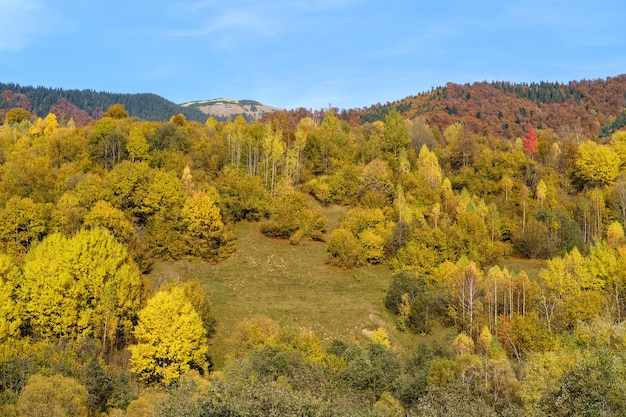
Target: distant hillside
(224, 108)
(593, 108)
(85, 106)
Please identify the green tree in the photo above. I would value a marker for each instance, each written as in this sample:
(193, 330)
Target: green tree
(242, 195)
(171, 339)
(292, 218)
(344, 250)
(253, 333)
(54, 396)
(592, 387)
(106, 143)
(16, 115)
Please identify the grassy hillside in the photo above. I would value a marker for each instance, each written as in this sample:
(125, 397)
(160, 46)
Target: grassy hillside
(290, 284)
(293, 286)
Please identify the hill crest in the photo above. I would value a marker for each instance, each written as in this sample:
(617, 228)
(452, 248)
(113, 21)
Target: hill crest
(223, 108)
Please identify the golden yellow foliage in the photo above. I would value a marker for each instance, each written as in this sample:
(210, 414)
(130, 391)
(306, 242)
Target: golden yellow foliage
(171, 339)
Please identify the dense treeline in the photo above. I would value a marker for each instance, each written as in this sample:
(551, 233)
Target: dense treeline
(85, 106)
(84, 211)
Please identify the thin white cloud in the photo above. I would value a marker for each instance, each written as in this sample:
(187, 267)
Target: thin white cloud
(24, 21)
(229, 21)
(305, 5)
(228, 25)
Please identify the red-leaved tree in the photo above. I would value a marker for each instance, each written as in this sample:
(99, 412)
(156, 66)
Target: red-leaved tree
(530, 141)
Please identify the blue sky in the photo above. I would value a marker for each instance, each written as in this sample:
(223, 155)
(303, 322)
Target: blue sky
(292, 53)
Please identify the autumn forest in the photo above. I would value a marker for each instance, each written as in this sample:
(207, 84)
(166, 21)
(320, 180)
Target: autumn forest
(491, 215)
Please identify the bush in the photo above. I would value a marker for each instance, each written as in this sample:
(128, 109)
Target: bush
(291, 218)
(344, 250)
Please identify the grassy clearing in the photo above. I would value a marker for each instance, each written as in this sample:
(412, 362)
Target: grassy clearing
(532, 267)
(293, 286)
(290, 284)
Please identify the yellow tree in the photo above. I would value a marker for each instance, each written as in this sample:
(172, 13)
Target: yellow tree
(596, 198)
(294, 156)
(234, 134)
(50, 124)
(273, 150)
(104, 215)
(187, 180)
(376, 186)
(292, 218)
(37, 128)
(253, 333)
(22, 224)
(618, 144)
(541, 193)
(205, 234)
(171, 339)
(137, 145)
(116, 111)
(68, 214)
(615, 234)
(461, 145)
(571, 289)
(428, 166)
(597, 165)
(396, 134)
(198, 298)
(465, 289)
(331, 137)
(10, 306)
(85, 286)
(16, 115)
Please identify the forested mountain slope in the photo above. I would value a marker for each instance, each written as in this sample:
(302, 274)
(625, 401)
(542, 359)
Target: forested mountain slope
(579, 108)
(85, 106)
